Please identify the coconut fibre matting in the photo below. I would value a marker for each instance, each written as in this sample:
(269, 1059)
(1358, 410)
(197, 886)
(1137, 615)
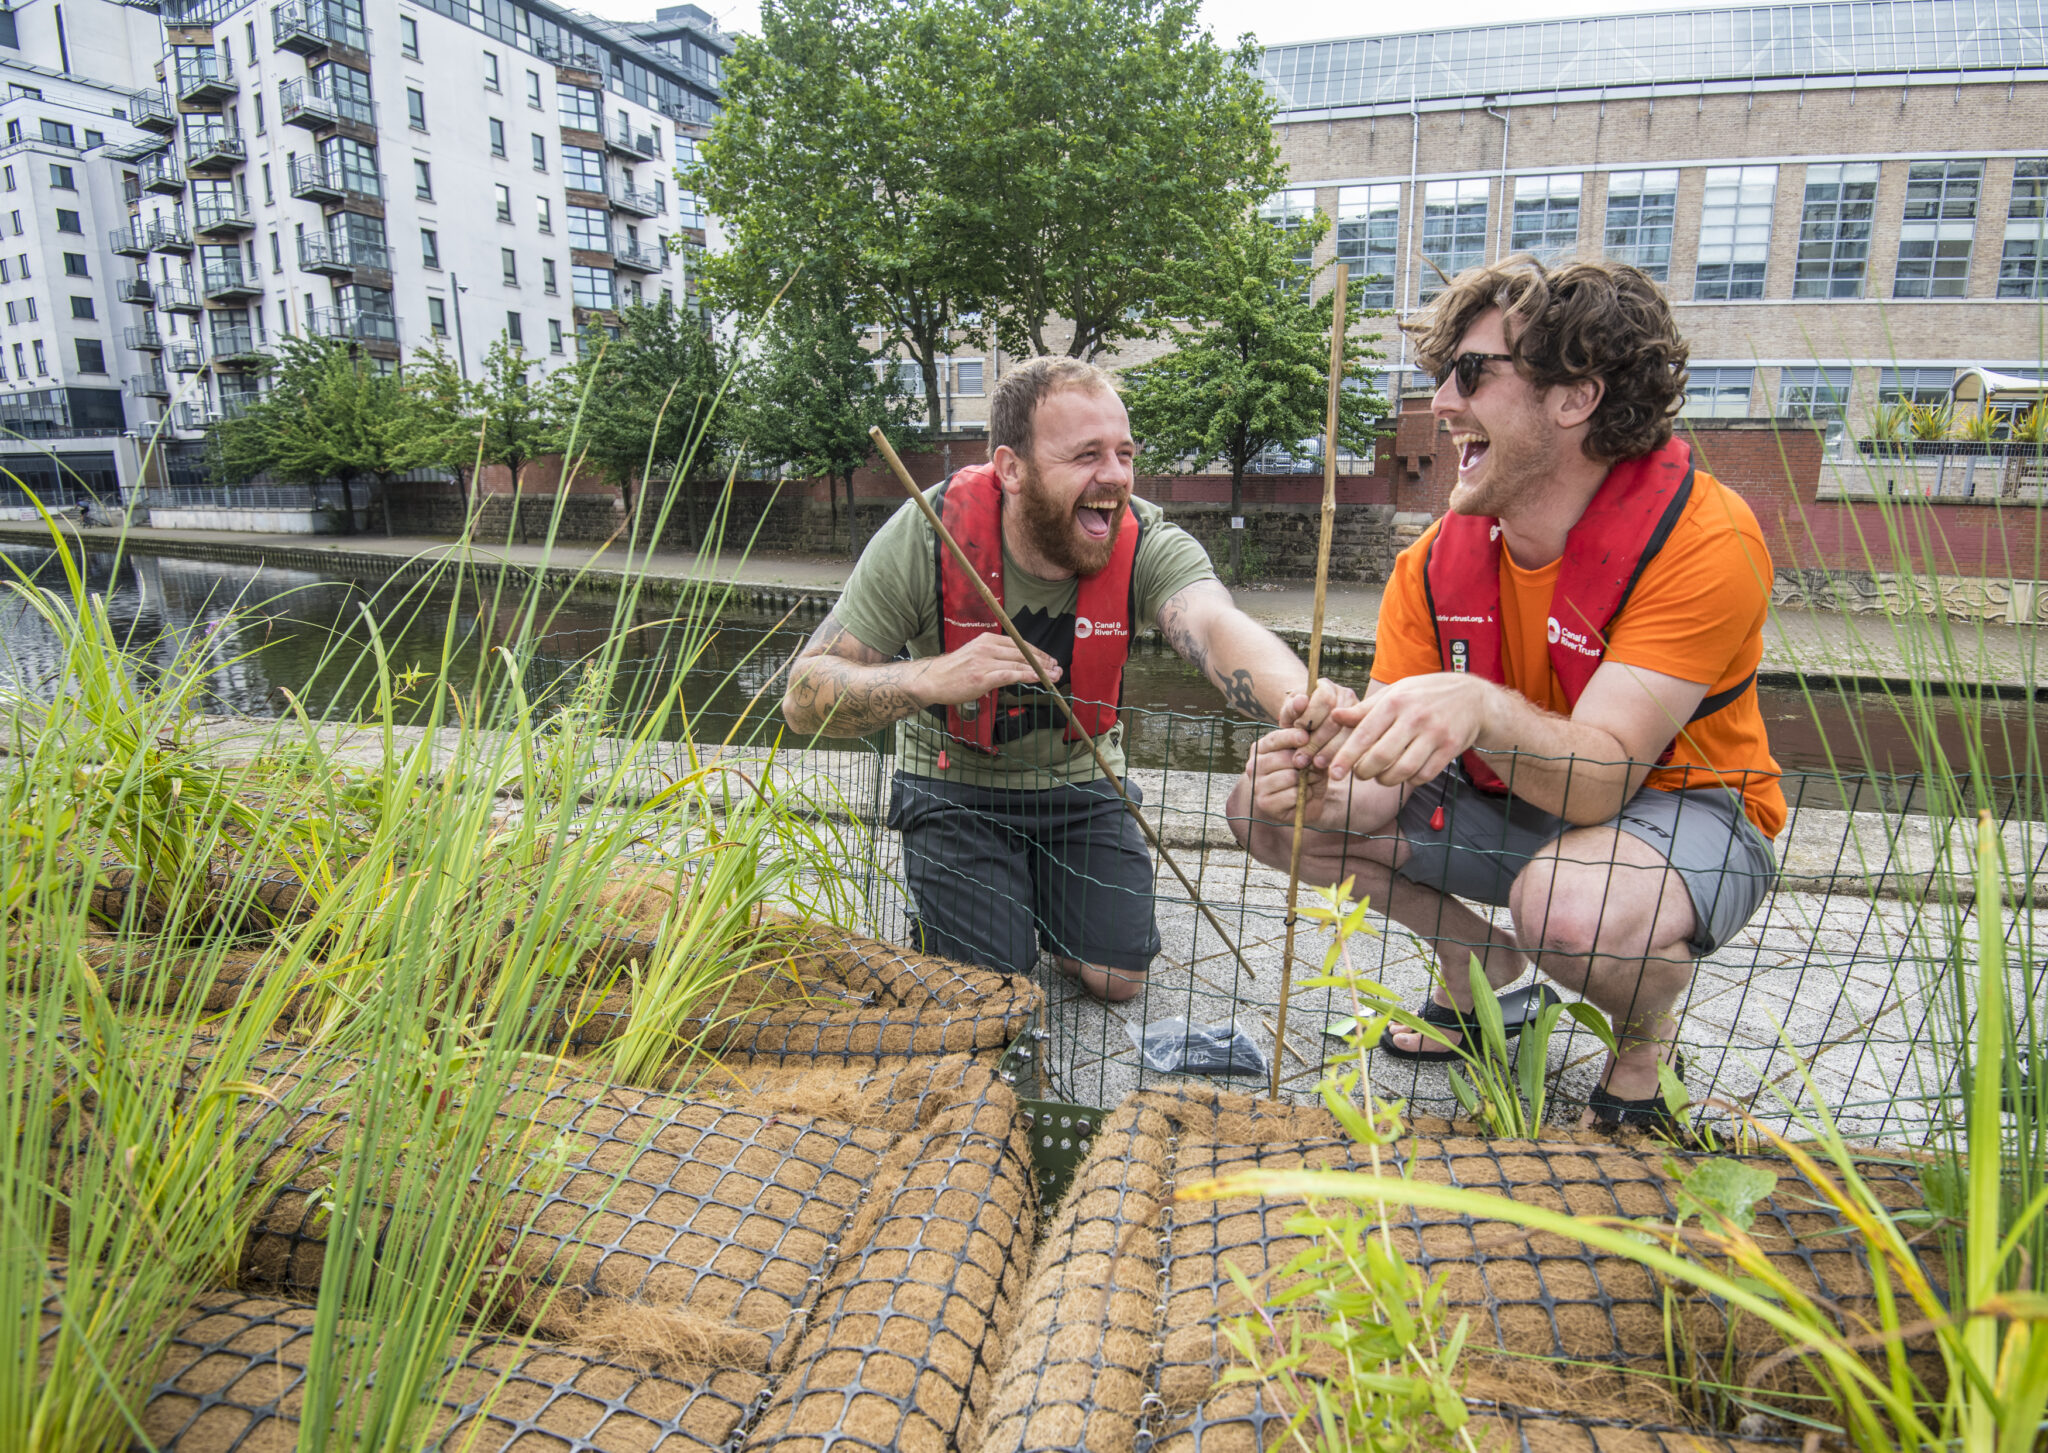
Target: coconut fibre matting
(863, 1274)
(1118, 1343)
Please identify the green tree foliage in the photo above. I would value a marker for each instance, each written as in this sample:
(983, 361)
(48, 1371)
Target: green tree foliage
(982, 166)
(1252, 363)
(516, 416)
(812, 392)
(647, 406)
(440, 429)
(329, 414)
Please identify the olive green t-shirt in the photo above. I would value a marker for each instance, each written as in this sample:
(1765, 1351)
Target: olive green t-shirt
(892, 601)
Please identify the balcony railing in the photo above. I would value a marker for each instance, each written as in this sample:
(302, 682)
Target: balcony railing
(171, 236)
(315, 180)
(223, 282)
(310, 26)
(151, 111)
(137, 150)
(623, 138)
(184, 358)
(342, 256)
(192, 417)
(212, 148)
(151, 385)
(234, 404)
(305, 103)
(235, 346)
(629, 198)
(355, 324)
(130, 241)
(144, 338)
(639, 256)
(177, 298)
(207, 76)
(210, 214)
(163, 174)
(136, 290)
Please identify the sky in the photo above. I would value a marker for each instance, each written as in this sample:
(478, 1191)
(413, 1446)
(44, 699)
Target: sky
(1275, 22)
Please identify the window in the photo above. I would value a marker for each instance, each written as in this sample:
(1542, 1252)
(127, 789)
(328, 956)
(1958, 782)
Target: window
(14, 220)
(257, 97)
(42, 364)
(20, 362)
(497, 137)
(1368, 237)
(554, 335)
(1819, 394)
(547, 275)
(509, 261)
(1289, 210)
(583, 169)
(59, 133)
(7, 178)
(422, 181)
(6, 275)
(249, 39)
(11, 318)
(1453, 229)
(1834, 230)
(589, 228)
(62, 179)
(1735, 234)
(579, 107)
(544, 214)
(1640, 210)
(2023, 267)
(1928, 387)
(269, 191)
(74, 265)
(592, 286)
(515, 329)
(504, 202)
(276, 254)
(1717, 393)
(1940, 226)
(416, 108)
(540, 152)
(348, 89)
(1546, 217)
(409, 37)
(18, 92)
(30, 306)
(83, 308)
(13, 132)
(92, 358)
(660, 196)
(533, 89)
(490, 71)
(430, 247)
(68, 222)
(437, 317)
(967, 376)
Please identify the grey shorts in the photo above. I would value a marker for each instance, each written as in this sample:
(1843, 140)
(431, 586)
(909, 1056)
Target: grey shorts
(997, 873)
(1487, 839)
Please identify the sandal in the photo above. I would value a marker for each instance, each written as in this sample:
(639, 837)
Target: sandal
(1650, 1113)
(1517, 1011)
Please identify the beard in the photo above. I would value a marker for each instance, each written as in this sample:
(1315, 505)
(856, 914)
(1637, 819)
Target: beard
(1056, 534)
(1519, 463)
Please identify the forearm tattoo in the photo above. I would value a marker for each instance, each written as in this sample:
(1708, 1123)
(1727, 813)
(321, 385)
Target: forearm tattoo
(839, 687)
(1180, 634)
(1188, 632)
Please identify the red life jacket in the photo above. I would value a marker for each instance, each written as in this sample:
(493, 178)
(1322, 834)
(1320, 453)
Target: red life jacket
(1630, 518)
(971, 504)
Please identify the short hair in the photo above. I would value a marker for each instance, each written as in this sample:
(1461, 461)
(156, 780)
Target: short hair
(1020, 391)
(1604, 320)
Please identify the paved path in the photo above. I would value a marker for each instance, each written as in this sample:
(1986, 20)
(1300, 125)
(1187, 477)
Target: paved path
(1822, 643)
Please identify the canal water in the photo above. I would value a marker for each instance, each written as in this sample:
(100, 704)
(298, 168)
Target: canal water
(273, 631)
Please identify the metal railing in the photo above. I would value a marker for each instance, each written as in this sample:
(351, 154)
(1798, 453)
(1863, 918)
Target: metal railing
(630, 198)
(232, 342)
(136, 290)
(628, 253)
(224, 278)
(212, 215)
(129, 241)
(209, 73)
(622, 137)
(143, 338)
(214, 146)
(162, 174)
(315, 179)
(184, 358)
(356, 325)
(342, 254)
(306, 26)
(152, 385)
(171, 236)
(151, 110)
(177, 298)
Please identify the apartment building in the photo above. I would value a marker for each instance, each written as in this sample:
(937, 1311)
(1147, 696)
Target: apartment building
(1845, 202)
(183, 181)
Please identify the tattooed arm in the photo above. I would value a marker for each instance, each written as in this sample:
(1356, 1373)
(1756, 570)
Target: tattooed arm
(1251, 666)
(839, 686)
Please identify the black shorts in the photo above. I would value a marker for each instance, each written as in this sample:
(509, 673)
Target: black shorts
(996, 873)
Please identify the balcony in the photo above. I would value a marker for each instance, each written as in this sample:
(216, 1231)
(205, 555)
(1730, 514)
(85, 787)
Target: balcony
(149, 110)
(237, 347)
(152, 385)
(137, 150)
(219, 217)
(206, 79)
(638, 256)
(355, 325)
(623, 139)
(342, 258)
(171, 236)
(130, 241)
(162, 174)
(213, 149)
(223, 282)
(320, 108)
(144, 338)
(136, 290)
(311, 26)
(236, 402)
(629, 198)
(184, 358)
(178, 298)
(314, 181)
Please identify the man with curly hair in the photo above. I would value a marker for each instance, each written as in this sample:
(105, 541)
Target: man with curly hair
(1562, 719)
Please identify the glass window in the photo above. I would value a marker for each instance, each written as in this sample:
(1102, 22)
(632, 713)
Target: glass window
(508, 260)
(1834, 230)
(62, 179)
(416, 108)
(1717, 393)
(68, 222)
(1940, 226)
(583, 168)
(580, 108)
(348, 89)
(547, 275)
(967, 376)
(1926, 386)
(58, 133)
(437, 317)
(592, 286)
(490, 71)
(1735, 233)
(74, 265)
(1453, 230)
(1546, 217)
(540, 152)
(1289, 210)
(1641, 207)
(1368, 239)
(255, 96)
(554, 335)
(422, 180)
(515, 329)
(92, 357)
(83, 308)
(544, 214)
(533, 89)
(409, 37)
(497, 136)
(504, 202)
(42, 363)
(430, 247)
(590, 228)
(353, 164)
(2023, 266)
(1819, 394)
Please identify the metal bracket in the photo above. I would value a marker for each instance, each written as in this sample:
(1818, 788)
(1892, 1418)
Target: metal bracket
(1061, 1136)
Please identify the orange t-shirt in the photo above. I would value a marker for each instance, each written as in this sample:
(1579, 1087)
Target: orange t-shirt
(1697, 613)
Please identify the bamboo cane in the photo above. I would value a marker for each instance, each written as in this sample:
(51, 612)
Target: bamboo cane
(988, 598)
(1315, 657)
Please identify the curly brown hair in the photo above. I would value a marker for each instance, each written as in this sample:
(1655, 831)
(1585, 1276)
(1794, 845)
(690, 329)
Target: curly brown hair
(1604, 320)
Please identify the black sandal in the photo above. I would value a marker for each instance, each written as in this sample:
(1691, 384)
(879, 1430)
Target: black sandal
(1517, 1012)
(1651, 1113)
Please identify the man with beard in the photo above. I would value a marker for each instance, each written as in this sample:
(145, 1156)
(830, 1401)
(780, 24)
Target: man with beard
(1562, 718)
(1011, 838)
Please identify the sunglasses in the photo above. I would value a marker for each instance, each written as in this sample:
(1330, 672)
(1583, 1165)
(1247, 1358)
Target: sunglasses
(1469, 368)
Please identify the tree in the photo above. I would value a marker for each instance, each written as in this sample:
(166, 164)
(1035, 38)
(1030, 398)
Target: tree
(646, 405)
(329, 414)
(515, 416)
(813, 391)
(439, 429)
(1252, 364)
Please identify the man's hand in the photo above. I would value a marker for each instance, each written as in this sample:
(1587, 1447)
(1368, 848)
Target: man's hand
(1410, 731)
(986, 663)
(1312, 713)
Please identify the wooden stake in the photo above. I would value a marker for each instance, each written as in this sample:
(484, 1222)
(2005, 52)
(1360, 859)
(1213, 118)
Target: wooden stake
(988, 598)
(1315, 653)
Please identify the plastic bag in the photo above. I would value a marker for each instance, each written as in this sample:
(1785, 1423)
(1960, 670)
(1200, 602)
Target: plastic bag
(1174, 1046)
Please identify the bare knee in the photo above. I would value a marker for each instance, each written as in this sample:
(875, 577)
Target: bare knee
(1111, 986)
(1556, 917)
